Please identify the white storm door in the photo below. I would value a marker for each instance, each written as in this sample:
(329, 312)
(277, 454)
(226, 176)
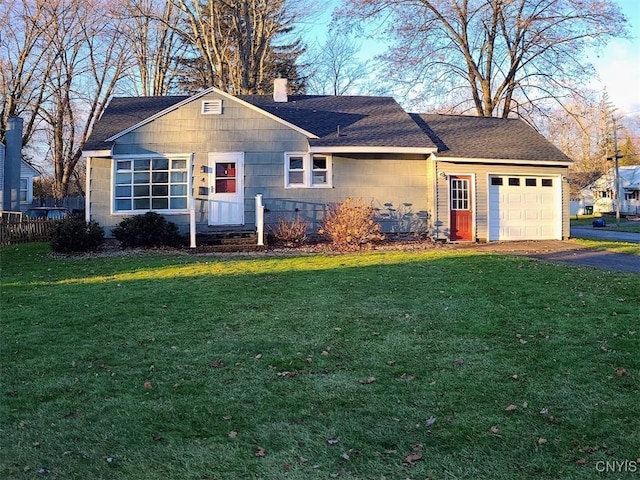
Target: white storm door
(226, 188)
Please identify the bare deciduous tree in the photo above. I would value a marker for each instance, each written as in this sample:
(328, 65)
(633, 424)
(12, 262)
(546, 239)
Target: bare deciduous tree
(24, 69)
(334, 68)
(497, 56)
(62, 69)
(156, 46)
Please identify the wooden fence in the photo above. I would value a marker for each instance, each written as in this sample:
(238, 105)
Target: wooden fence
(25, 231)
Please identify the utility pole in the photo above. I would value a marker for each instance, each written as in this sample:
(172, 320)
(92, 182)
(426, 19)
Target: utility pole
(615, 158)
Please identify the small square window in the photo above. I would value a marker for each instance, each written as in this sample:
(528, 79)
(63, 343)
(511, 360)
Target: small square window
(531, 182)
(514, 181)
(496, 180)
(547, 182)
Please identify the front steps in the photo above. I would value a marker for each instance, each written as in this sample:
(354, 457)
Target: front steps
(222, 242)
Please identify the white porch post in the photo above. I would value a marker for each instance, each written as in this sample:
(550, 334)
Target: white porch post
(192, 208)
(260, 219)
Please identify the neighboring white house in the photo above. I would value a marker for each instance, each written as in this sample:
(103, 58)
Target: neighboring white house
(601, 194)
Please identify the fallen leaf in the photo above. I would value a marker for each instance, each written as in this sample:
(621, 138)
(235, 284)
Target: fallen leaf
(511, 408)
(368, 380)
(581, 461)
(413, 458)
(258, 356)
(260, 452)
(458, 362)
(345, 456)
(332, 441)
(430, 421)
(233, 434)
(286, 467)
(525, 404)
(287, 374)
(217, 364)
(542, 441)
(620, 372)
(495, 429)
(407, 377)
(551, 419)
(147, 385)
(522, 341)
(156, 437)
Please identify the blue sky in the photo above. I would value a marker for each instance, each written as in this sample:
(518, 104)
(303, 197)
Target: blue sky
(617, 66)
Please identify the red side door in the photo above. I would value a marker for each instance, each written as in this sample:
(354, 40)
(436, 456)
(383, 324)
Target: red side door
(461, 218)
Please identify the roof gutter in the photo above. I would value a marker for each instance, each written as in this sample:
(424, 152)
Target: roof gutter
(96, 153)
(371, 149)
(511, 161)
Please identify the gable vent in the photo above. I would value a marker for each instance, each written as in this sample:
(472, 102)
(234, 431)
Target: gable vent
(212, 107)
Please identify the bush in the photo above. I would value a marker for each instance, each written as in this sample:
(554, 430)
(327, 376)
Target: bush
(73, 234)
(290, 232)
(350, 225)
(148, 230)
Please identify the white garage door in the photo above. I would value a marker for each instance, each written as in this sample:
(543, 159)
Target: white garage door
(524, 208)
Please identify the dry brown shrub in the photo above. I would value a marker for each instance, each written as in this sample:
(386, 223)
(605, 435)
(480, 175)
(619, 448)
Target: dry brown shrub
(291, 232)
(350, 225)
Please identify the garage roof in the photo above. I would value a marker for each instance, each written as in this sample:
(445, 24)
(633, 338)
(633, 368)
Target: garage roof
(460, 136)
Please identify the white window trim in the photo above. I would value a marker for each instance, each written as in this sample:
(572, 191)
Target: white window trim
(29, 190)
(189, 159)
(307, 171)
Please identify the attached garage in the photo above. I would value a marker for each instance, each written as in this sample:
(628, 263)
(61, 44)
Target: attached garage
(523, 207)
(495, 179)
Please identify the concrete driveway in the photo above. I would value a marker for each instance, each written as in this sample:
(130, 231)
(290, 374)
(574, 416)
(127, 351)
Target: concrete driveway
(603, 234)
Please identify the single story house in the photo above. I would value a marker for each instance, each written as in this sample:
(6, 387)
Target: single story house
(16, 175)
(600, 195)
(212, 161)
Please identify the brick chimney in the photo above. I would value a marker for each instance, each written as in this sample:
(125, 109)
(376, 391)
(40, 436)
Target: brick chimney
(280, 88)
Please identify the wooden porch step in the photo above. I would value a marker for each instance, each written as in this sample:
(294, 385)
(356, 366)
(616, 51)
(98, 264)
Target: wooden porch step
(226, 238)
(212, 242)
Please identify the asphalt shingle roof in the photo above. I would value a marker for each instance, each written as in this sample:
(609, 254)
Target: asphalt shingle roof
(347, 120)
(360, 121)
(124, 112)
(487, 138)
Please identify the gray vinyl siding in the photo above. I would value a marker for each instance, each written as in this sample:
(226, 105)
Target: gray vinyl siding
(481, 192)
(395, 185)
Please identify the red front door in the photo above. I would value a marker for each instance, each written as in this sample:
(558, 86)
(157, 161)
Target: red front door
(461, 213)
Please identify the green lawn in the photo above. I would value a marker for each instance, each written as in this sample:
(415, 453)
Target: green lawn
(396, 365)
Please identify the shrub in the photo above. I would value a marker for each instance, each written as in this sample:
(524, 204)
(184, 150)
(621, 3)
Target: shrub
(73, 234)
(148, 230)
(350, 225)
(290, 232)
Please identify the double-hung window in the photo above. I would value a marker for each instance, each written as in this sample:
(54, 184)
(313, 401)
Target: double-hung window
(153, 183)
(304, 170)
(24, 190)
